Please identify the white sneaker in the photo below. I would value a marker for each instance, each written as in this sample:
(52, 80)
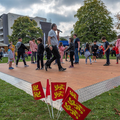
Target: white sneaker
(62, 62)
(26, 65)
(92, 61)
(95, 61)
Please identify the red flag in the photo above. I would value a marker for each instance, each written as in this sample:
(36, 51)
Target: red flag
(47, 88)
(75, 109)
(71, 92)
(58, 90)
(37, 91)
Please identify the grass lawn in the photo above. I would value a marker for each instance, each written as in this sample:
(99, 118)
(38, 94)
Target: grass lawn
(5, 59)
(15, 104)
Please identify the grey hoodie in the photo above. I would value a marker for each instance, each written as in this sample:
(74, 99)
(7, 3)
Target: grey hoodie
(18, 45)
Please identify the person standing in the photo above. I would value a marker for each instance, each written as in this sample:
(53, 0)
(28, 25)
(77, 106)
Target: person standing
(94, 51)
(61, 51)
(40, 52)
(118, 43)
(1, 55)
(106, 51)
(113, 52)
(10, 56)
(13, 51)
(71, 48)
(77, 48)
(53, 42)
(20, 51)
(87, 54)
(33, 48)
(117, 54)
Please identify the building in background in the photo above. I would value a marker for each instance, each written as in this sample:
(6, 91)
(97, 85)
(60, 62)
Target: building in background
(7, 21)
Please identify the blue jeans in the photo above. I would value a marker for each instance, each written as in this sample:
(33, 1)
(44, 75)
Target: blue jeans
(89, 59)
(76, 56)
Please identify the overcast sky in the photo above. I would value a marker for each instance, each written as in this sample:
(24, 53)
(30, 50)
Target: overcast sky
(60, 12)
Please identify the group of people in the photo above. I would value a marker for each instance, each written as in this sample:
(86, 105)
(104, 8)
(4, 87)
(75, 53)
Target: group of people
(56, 52)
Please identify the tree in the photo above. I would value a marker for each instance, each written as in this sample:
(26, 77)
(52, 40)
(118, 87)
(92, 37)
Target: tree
(118, 21)
(25, 28)
(94, 21)
(63, 39)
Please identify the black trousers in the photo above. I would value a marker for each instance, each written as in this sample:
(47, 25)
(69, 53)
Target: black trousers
(107, 56)
(71, 58)
(40, 58)
(49, 56)
(18, 58)
(56, 56)
(32, 56)
(66, 54)
(0, 57)
(113, 53)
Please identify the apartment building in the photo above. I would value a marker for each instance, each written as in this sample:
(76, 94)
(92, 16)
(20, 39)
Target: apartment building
(7, 21)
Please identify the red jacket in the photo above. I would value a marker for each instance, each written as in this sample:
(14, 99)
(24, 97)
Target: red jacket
(116, 50)
(103, 49)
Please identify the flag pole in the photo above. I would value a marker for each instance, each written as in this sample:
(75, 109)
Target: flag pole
(59, 108)
(59, 115)
(48, 107)
(52, 108)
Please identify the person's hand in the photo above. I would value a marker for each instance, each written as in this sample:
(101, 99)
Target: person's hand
(93, 52)
(58, 32)
(51, 48)
(104, 51)
(78, 49)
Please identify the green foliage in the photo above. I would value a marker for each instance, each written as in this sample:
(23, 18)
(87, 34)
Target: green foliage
(94, 21)
(25, 28)
(63, 39)
(16, 104)
(118, 20)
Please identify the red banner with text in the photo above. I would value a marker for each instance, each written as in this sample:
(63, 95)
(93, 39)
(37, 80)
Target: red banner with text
(58, 90)
(38, 91)
(75, 109)
(71, 92)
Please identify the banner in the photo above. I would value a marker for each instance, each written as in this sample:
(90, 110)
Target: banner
(75, 109)
(37, 91)
(47, 88)
(58, 90)
(71, 92)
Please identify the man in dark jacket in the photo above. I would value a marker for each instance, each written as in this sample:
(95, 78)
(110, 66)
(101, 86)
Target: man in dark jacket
(71, 48)
(40, 52)
(20, 51)
(94, 51)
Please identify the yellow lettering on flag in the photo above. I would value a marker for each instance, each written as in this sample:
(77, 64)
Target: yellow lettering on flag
(58, 94)
(73, 94)
(35, 88)
(76, 106)
(59, 87)
(37, 94)
(72, 111)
